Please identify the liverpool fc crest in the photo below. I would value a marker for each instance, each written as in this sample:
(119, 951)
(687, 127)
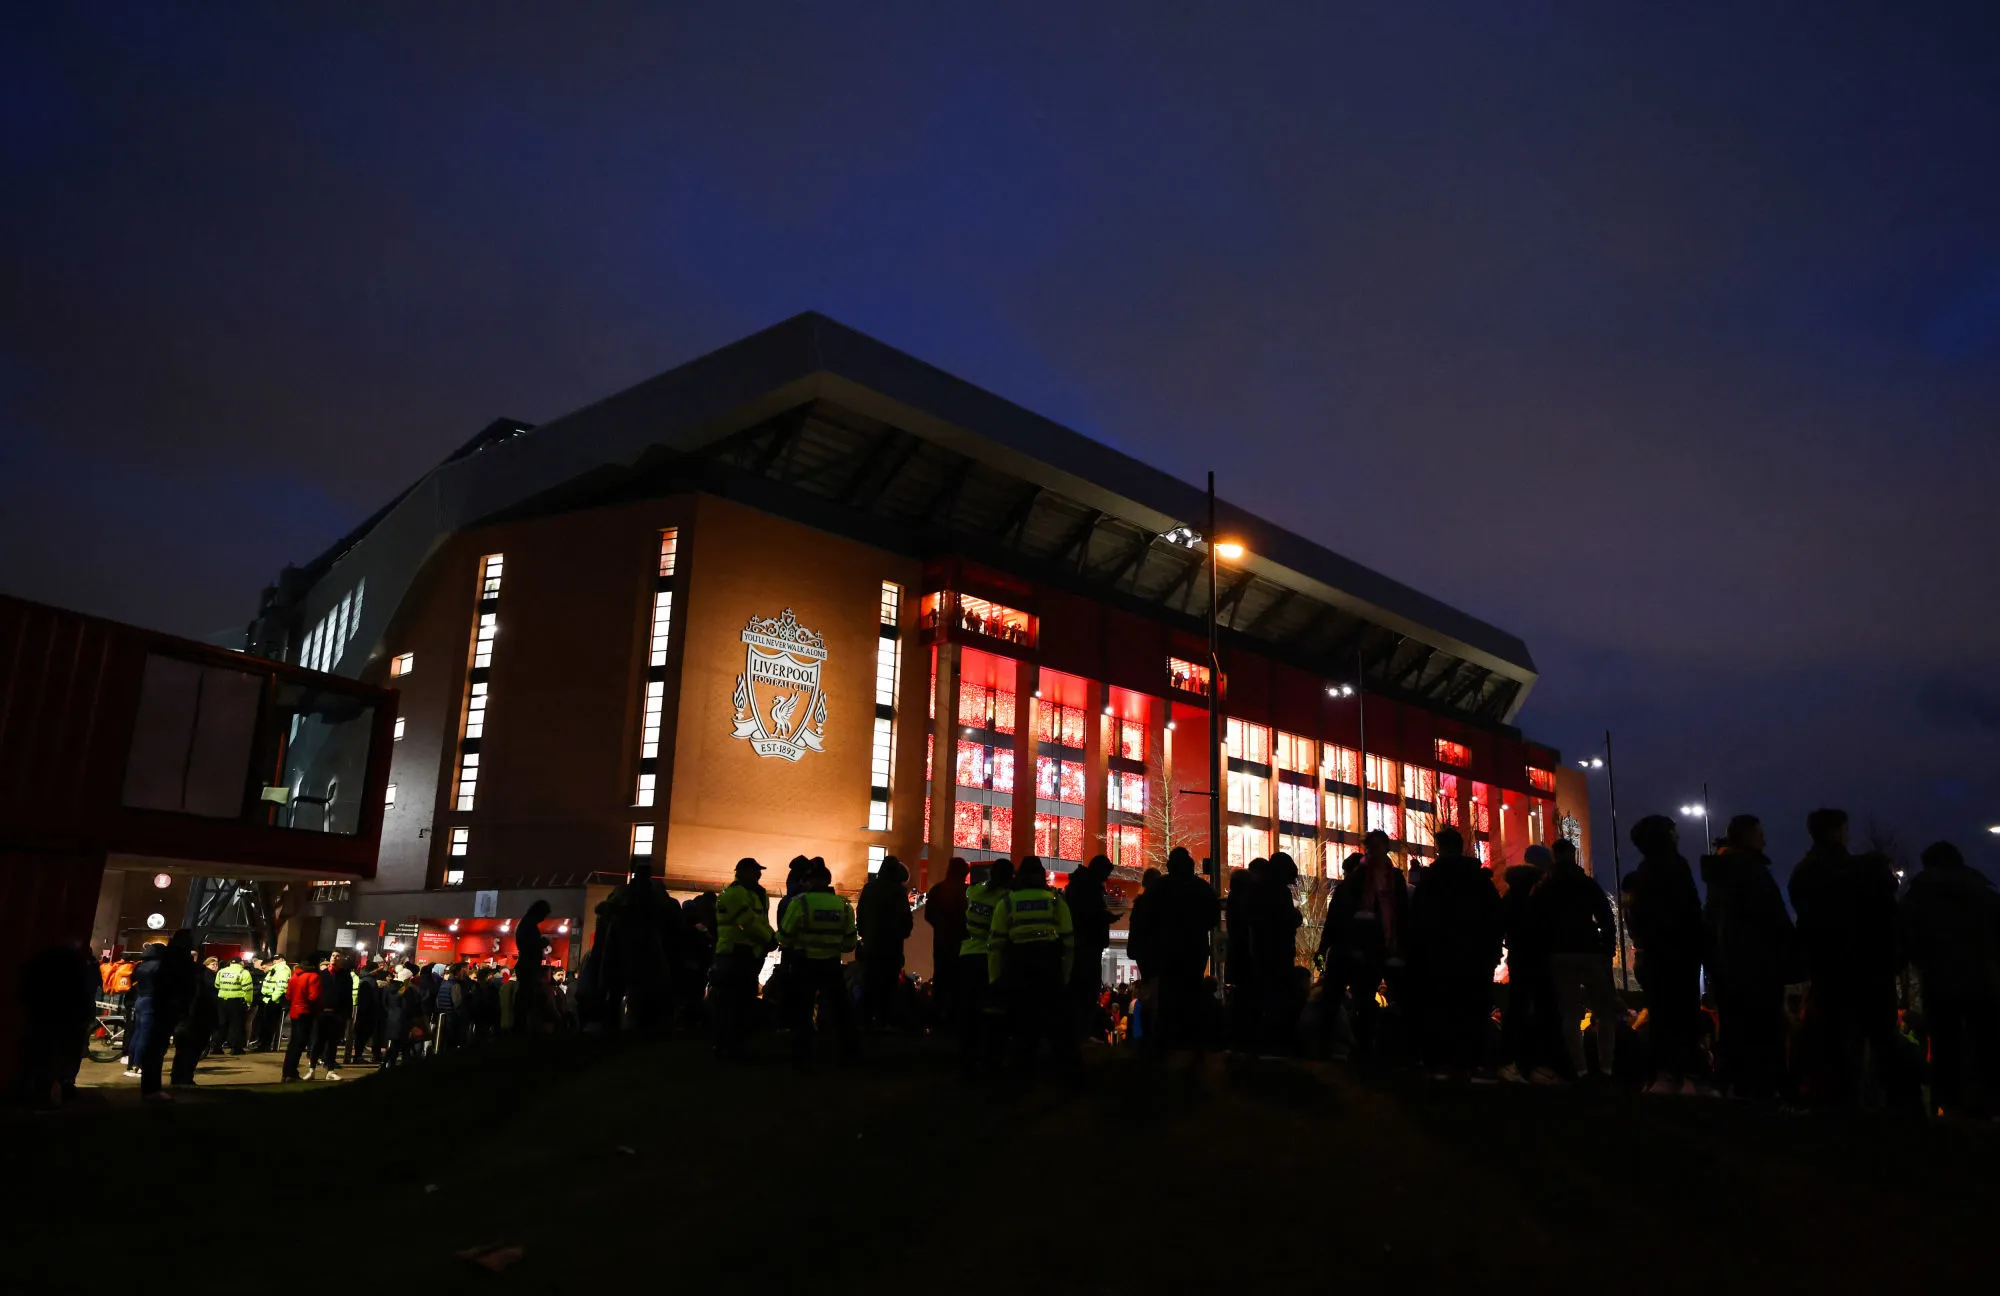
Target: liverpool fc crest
(780, 706)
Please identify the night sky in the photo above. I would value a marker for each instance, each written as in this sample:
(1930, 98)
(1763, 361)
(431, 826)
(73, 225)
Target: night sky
(1668, 339)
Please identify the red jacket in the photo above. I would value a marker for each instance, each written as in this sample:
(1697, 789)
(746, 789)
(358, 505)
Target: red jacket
(303, 991)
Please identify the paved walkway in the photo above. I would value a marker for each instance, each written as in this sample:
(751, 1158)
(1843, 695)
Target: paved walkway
(214, 1070)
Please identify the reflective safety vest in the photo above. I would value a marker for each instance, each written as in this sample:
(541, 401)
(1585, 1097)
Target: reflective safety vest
(980, 902)
(1034, 916)
(276, 978)
(233, 983)
(741, 921)
(819, 923)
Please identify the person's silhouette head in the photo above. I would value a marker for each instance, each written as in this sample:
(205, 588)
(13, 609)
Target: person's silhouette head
(1942, 854)
(536, 912)
(1179, 862)
(748, 871)
(1031, 874)
(1284, 869)
(1827, 827)
(1353, 864)
(1148, 879)
(1656, 835)
(1563, 852)
(1450, 843)
(1746, 833)
(1000, 873)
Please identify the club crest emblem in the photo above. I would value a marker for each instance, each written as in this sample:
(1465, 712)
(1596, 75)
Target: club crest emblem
(780, 706)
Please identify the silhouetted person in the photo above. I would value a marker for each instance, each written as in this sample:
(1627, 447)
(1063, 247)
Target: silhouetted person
(1574, 921)
(197, 1030)
(531, 992)
(366, 1042)
(697, 955)
(641, 927)
(331, 1015)
(1143, 932)
(1274, 954)
(944, 914)
(1751, 958)
(884, 922)
(1188, 915)
(163, 991)
(1847, 917)
(1663, 914)
(59, 989)
(817, 929)
(301, 1010)
(1951, 929)
(1363, 942)
(1090, 914)
(1454, 946)
(1527, 1020)
(1243, 986)
(980, 1012)
(1029, 949)
(743, 939)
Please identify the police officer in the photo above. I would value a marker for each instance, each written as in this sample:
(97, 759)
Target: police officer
(817, 928)
(742, 939)
(978, 1023)
(233, 985)
(1030, 946)
(274, 1004)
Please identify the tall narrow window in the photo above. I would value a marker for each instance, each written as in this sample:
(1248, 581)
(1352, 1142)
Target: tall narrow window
(461, 841)
(399, 665)
(478, 685)
(642, 840)
(389, 798)
(400, 724)
(652, 710)
(888, 680)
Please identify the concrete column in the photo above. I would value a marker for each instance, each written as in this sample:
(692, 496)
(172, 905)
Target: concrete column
(1097, 747)
(1027, 719)
(944, 756)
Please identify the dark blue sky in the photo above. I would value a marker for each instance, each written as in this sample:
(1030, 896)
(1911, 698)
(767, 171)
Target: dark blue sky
(1665, 336)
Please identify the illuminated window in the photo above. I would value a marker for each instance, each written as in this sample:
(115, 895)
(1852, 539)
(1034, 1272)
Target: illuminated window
(1482, 811)
(1069, 839)
(1417, 830)
(1246, 844)
(1382, 776)
(670, 542)
(402, 664)
(1045, 836)
(1303, 850)
(888, 679)
(1003, 711)
(648, 784)
(482, 640)
(400, 722)
(663, 616)
(1419, 784)
(1296, 753)
(1187, 676)
(968, 826)
(972, 764)
(340, 623)
(1131, 740)
(360, 590)
(642, 840)
(1125, 844)
(1003, 828)
(489, 576)
(1541, 778)
(649, 732)
(1385, 818)
(1059, 725)
(468, 779)
(1483, 852)
(1298, 804)
(461, 839)
(1125, 792)
(1340, 764)
(1003, 770)
(454, 877)
(475, 709)
(876, 854)
(995, 621)
(1342, 812)
(1451, 753)
(389, 798)
(1249, 793)
(1447, 800)
(1069, 783)
(1248, 742)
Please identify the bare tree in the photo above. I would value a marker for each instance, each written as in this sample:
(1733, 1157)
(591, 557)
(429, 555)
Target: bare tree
(1169, 824)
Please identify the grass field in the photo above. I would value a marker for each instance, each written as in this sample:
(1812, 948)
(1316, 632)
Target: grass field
(648, 1163)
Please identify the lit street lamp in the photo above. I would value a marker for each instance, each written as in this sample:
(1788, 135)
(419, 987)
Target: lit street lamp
(1610, 769)
(1995, 830)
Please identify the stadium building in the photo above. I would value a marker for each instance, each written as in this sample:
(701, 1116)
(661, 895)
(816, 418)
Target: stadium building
(809, 595)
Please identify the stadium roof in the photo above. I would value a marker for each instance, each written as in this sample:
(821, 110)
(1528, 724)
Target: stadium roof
(811, 419)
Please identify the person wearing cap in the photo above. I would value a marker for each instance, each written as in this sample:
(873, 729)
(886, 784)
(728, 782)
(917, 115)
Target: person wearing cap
(1029, 950)
(742, 940)
(818, 927)
(977, 1021)
(233, 985)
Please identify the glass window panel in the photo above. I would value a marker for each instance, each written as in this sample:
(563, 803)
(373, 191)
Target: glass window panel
(1047, 780)
(1069, 843)
(1131, 740)
(1045, 835)
(971, 764)
(1069, 786)
(1341, 812)
(1002, 836)
(1340, 763)
(974, 705)
(968, 825)
(1419, 784)
(1003, 770)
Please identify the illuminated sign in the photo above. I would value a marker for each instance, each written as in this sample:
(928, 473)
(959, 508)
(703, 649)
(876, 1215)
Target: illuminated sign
(780, 704)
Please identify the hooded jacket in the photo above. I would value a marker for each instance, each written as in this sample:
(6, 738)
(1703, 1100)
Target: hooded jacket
(1573, 913)
(1951, 929)
(1750, 936)
(882, 916)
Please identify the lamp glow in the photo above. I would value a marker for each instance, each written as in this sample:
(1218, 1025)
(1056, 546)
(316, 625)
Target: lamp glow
(1228, 549)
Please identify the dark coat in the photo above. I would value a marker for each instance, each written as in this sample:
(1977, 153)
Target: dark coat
(1350, 936)
(944, 910)
(336, 991)
(167, 984)
(1089, 913)
(1274, 929)
(1951, 929)
(204, 1009)
(1750, 937)
(1455, 920)
(1239, 910)
(1573, 913)
(1188, 914)
(1663, 911)
(1520, 921)
(367, 1003)
(1143, 944)
(1847, 917)
(882, 917)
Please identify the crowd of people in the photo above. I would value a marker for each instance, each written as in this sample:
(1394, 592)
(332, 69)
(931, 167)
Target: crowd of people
(1874, 993)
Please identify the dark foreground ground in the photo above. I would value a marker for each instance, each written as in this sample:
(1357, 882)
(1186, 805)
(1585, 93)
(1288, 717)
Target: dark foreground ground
(648, 1164)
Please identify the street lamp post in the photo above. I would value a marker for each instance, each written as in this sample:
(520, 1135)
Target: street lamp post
(1610, 768)
(1216, 722)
